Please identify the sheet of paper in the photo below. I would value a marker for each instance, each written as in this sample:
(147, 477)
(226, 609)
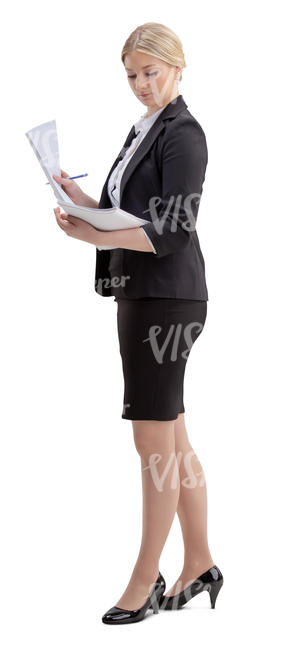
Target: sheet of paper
(44, 142)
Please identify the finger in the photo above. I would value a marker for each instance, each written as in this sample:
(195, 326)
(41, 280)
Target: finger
(62, 223)
(61, 180)
(73, 220)
(66, 226)
(58, 212)
(61, 218)
(64, 216)
(67, 217)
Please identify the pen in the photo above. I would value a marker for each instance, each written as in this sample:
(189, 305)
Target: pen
(70, 178)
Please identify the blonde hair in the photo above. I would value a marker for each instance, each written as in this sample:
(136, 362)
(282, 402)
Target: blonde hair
(157, 40)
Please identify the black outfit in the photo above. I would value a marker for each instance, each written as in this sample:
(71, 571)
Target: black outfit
(161, 183)
(162, 297)
(155, 336)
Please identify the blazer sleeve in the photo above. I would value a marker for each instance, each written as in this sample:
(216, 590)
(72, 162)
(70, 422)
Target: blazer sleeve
(184, 161)
(150, 242)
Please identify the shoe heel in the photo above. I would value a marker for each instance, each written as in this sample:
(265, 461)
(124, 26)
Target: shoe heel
(214, 591)
(154, 601)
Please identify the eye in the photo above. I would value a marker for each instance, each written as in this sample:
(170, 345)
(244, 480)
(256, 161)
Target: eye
(149, 74)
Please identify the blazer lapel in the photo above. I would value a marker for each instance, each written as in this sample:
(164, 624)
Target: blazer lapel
(171, 110)
(105, 201)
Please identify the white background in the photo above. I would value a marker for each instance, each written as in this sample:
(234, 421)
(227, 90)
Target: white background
(70, 474)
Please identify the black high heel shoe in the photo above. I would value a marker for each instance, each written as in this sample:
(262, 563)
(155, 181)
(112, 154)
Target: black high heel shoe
(115, 615)
(211, 581)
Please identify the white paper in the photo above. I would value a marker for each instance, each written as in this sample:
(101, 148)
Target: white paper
(44, 142)
(104, 219)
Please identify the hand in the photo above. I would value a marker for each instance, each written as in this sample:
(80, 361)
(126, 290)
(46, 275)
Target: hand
(76, 227)
(71, 188)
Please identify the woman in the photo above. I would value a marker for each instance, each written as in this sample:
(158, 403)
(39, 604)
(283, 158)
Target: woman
(156, 274)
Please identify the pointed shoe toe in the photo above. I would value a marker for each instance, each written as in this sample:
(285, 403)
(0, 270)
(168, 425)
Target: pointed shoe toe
(116, 615)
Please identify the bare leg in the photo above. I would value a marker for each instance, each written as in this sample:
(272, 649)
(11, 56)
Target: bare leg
(160, 485)
(192, 512)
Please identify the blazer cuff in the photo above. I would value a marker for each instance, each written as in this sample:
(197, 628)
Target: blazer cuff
(153, 248)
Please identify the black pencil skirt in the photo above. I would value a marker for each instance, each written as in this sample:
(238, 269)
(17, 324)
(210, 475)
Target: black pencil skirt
(155, 339)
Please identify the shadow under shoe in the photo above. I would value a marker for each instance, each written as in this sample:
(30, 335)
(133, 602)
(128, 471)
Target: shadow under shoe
(211, 581)
(116, 615)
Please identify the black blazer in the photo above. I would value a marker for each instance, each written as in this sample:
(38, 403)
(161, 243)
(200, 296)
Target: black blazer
(163, 184)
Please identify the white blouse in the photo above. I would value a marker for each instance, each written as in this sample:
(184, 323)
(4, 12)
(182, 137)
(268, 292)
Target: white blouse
(142, 126)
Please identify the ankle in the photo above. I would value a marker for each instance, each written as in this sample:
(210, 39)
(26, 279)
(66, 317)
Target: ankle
(197, 566)
(146, 576)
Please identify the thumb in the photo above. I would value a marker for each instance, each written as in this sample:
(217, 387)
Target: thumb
(60, 179)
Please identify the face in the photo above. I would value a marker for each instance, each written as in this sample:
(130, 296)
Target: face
(151, 80)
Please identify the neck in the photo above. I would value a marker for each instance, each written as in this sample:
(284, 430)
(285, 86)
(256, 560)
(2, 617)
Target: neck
(155, 107)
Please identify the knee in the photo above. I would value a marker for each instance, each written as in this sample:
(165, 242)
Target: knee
(154, 437)
(144, 446)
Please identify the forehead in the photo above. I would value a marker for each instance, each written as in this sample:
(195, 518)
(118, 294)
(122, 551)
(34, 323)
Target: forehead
(140, 61)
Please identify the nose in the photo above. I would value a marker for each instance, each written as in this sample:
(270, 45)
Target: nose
(141, 86)
(143, 91)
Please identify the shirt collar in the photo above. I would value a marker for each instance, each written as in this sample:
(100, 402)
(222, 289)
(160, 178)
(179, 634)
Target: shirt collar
(144, 123)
